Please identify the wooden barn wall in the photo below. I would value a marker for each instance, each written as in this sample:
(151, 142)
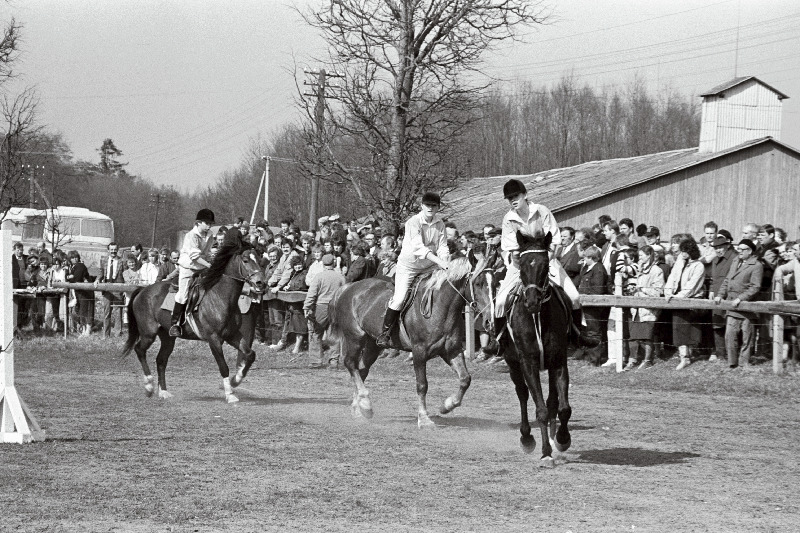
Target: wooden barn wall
(760, 184)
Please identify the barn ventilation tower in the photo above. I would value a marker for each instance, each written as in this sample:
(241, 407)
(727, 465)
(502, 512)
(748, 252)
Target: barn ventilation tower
(738, 111)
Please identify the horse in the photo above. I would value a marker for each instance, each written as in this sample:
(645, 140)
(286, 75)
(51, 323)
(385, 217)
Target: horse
(539, 324)
(217, 317)
(357, 311)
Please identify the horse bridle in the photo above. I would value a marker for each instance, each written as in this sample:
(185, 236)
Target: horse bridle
(544, 292)
(242, 278)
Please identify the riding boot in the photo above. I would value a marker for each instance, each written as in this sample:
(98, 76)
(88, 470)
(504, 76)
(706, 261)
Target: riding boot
(499, 325)
(579, 330)
(177, 317)
(384, 340)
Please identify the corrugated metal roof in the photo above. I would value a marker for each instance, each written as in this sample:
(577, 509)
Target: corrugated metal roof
(480, 200)
(714, 91)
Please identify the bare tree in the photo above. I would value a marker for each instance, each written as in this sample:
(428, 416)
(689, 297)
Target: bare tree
(18, 115)
(404, 100)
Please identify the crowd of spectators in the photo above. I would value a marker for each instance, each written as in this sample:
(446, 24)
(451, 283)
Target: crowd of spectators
(612, 257)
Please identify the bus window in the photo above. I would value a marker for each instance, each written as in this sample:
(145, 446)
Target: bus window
(69, 226)
(97, 228)
(33, 229)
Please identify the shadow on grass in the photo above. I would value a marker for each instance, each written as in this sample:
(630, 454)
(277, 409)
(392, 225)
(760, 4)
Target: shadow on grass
(634, 457)
(260, 400)
(107, 439)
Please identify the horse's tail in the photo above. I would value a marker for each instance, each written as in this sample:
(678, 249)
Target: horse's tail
(334, 326)
(133, 328)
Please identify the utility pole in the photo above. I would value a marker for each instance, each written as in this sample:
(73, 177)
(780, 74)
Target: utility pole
(319, 138)
(156, 199)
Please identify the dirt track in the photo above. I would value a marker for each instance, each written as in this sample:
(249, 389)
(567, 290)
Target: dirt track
(705, 451)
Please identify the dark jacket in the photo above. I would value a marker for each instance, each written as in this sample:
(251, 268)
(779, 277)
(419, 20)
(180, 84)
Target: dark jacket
(18, 265)
(297, 282)
(359, 269)
(594, 281)
(720, 267)
(78, 273)
(571, 262)
(743, 282)
(116, 276)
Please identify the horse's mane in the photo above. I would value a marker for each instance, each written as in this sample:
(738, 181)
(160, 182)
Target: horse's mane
(232, 245)
(457, 269)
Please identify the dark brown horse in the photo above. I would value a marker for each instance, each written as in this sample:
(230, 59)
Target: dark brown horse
(540, 323)
(218, 318)
(433, 327)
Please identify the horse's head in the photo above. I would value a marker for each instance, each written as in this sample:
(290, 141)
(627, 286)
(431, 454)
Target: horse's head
(534, 265)
(237, 260)
(482, 286)
(251, 271)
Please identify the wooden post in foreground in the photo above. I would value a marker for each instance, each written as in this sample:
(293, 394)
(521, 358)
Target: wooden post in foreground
(469, 319)
(17, 424)
(777, 328)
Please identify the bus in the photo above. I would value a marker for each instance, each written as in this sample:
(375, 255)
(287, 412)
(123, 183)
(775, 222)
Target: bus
(67, 228)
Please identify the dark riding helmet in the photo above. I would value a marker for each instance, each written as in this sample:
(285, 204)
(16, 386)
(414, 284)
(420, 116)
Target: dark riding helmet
(205, 215)
(431, 198)
(513, 188)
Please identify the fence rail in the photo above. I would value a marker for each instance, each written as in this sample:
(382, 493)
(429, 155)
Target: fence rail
(778, 308)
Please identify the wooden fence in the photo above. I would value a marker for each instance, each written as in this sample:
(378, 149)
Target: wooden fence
(777, 309)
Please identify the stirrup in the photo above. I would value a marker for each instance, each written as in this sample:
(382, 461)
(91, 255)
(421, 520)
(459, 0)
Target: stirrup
(175, 331)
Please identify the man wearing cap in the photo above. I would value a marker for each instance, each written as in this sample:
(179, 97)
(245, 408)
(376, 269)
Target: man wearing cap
(315, 308)
(720, 266)
(741, 285)
(424, 249)
(534, 220)
(194, 257)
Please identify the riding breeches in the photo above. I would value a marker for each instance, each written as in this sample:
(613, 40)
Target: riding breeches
(184, 279)
(557, 275)
(403, 279)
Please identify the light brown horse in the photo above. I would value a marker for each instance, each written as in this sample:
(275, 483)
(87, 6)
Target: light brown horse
(433, 326)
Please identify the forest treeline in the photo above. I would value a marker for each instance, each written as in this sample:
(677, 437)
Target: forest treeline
(521, 128)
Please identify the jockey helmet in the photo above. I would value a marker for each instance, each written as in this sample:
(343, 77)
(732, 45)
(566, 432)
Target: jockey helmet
(205, 215)
(513, 188)
(431, 198)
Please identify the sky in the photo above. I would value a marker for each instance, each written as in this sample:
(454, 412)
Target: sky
(183, 86)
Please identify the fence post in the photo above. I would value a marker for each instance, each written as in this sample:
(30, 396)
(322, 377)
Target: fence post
(469, 318)
(17, 424)
(777, 328)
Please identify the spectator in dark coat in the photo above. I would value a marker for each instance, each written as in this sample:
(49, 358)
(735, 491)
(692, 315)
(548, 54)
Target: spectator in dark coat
(567, 254)
(360, 267)
(594, 280)
(741, 285)
(725, 256)
(78, 273)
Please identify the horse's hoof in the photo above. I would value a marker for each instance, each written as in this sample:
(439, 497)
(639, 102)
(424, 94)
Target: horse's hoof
(528, 443)
(149, 386)
(355, 412)
(236, 381)
(562, 447)
(447, 406)
(425, 423)
(164, 395)
(231, 398)
(547, 462)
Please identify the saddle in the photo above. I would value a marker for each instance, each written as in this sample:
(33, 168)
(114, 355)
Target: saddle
(425, 306)
(193, 299)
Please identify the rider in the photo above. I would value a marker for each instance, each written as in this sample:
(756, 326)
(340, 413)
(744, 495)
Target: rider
(194, 258)
(534, 220)
(424, 250)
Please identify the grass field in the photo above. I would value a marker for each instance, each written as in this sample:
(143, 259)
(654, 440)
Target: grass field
(700, 450)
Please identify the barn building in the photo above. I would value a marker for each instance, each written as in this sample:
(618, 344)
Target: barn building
(740, 173)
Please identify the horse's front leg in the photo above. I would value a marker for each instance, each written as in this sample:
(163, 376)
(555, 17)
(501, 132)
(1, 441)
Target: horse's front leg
(464, 379)
(215, 343)
(563, 440)
(526, 440)
(420, 369)
(530, 370)
(245, 357)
